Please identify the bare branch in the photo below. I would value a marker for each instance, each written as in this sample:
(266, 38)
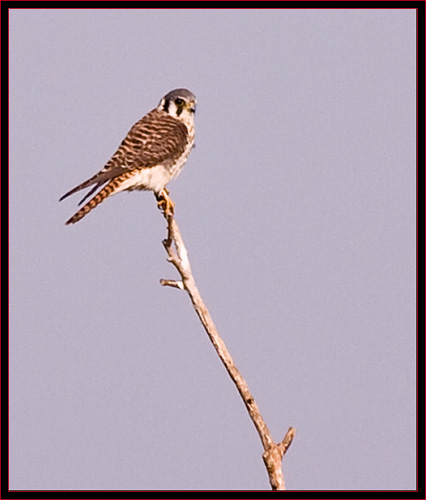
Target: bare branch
(178, 256)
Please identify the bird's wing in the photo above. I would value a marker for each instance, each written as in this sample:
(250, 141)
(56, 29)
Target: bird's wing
(153, 140)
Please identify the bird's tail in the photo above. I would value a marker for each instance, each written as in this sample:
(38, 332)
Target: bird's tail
(106, 191)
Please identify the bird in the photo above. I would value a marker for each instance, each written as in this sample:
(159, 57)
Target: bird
(153, 152)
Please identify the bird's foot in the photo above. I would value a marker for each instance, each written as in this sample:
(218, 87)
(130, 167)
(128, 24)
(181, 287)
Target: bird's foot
(165, 203)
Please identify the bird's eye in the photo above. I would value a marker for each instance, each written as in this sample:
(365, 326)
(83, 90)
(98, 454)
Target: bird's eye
(179, 102)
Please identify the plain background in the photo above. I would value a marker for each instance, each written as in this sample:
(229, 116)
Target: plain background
(298, 209)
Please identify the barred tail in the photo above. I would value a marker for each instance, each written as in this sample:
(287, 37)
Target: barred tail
(94, 202)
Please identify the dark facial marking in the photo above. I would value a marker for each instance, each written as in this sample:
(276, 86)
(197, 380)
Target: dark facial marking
(180, 103)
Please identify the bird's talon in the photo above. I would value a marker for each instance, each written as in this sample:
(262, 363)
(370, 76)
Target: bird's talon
(165, 203)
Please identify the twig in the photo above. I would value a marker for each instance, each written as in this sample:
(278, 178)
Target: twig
(178, 256)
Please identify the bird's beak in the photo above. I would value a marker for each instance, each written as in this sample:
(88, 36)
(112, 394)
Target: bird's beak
(191, 106)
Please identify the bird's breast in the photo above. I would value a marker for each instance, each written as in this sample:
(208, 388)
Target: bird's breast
(150, 179)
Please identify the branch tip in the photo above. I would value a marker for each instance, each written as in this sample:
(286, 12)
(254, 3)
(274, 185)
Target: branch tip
(288, 439)
(172, 283)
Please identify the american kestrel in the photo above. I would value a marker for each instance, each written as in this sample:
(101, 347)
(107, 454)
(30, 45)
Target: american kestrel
(151, 155)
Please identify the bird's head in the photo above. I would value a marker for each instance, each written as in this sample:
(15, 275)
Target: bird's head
(179, 103)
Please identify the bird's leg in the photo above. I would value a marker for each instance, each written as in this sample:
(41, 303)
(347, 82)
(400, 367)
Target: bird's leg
(164, 202)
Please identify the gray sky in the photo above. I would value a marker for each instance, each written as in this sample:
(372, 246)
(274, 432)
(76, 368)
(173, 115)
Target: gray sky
(298, 210)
